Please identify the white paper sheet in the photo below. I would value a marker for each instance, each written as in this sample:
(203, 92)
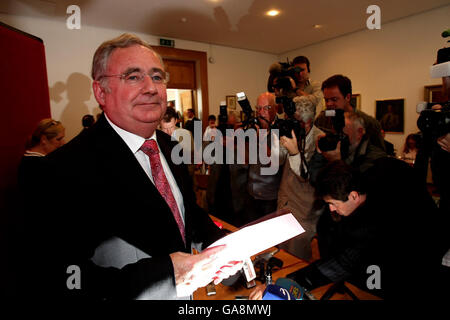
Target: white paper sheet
(253, 239)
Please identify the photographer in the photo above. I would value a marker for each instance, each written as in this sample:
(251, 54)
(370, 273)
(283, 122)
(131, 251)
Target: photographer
(296, 192)
(361, 151)
(305, 87)
(374, 221)
(264, 188)
(440, 164)
(337, 91)
(292, 79)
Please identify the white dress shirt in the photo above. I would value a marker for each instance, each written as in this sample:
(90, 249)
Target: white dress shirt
(134, 142)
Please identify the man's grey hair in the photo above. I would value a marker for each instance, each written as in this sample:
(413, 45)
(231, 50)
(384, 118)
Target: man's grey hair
(104, 51)
(356, 119)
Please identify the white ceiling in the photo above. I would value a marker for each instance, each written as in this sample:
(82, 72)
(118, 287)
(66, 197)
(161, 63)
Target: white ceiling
(232, 23)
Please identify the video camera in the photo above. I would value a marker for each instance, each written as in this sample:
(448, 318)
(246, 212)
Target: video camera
(282, 73)
(433, 123)
(436, 123)
(330, 141)
(249, 120)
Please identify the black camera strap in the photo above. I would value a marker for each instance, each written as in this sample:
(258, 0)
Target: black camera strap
(303, 168)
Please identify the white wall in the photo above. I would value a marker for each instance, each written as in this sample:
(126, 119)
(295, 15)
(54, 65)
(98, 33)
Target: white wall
(389, 63)
(69, 57)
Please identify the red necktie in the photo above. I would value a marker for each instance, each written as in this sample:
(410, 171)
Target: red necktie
(150, 148)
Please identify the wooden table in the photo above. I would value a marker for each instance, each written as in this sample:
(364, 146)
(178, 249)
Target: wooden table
(290, 264)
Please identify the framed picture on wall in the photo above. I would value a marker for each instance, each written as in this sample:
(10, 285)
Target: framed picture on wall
(391, 115)
(433, 93)
(355, 101)
(231, 102)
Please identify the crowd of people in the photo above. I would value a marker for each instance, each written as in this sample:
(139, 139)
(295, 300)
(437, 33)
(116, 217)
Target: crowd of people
(132, 218)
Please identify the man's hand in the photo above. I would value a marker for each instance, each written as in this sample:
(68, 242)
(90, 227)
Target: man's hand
(290, 144)
(257, 293)
(331, 155)
(444, 142)
(196, 271)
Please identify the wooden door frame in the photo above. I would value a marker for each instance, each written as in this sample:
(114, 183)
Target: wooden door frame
(201, 68)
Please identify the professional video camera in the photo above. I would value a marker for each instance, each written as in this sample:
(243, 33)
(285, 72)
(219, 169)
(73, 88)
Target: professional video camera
(433, 123)
(436, 123)
(282, 73)
(249, 120)
(330, 141)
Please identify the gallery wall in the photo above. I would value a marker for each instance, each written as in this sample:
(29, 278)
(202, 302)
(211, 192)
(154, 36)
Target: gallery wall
(69, 57)
(389, 63)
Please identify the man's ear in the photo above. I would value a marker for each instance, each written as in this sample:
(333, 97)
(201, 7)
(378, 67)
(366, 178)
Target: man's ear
(353, 195)
(43, 140)
(99, 92)
(348, 97)
(361, 132)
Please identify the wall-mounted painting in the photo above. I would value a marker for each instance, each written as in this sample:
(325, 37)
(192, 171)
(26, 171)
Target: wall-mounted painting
(231, 102)
(391, 115)
(355, 101)
(433, 93)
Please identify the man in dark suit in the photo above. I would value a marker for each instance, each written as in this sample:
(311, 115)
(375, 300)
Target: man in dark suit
(124, 217)
(383, 233)
(189, 125)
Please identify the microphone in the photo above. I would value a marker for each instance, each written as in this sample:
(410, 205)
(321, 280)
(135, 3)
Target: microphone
(274, 292)
(266, 255)
(295, 289)
(275, 68)
(292, 287)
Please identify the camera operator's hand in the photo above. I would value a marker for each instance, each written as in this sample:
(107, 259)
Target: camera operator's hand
(290, 144)
(331, 155)
(444, 142)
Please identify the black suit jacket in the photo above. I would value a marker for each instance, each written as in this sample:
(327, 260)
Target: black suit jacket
(105, 208)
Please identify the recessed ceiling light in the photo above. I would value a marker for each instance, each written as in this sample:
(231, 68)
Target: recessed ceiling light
(317, 26)
(272, 13)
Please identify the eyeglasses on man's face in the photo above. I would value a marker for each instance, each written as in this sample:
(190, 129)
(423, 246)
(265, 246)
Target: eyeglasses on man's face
(136, 77)
(258, 108)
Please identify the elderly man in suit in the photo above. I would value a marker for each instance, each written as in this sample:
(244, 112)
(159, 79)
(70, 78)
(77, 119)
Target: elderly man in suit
(124, 218)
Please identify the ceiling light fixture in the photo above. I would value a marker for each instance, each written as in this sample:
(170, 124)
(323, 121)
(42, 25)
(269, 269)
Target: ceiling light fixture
(273, 13)
(317, 26)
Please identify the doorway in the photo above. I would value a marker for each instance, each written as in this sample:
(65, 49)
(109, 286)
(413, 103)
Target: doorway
(188, 80)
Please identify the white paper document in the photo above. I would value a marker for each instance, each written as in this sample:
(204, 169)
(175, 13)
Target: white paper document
(253, 239)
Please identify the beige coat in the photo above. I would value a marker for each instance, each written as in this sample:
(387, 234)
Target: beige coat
(297, 194)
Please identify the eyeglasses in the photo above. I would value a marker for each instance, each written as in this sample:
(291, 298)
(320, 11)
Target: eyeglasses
(258, 108)
(137, 77)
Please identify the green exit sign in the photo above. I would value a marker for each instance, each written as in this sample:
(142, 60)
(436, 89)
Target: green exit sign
(167, 42)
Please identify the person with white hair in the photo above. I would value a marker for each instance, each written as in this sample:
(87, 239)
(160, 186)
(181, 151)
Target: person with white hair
(296, 192)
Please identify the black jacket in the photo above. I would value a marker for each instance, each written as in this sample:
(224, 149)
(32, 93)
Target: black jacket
(398, 229)
(100, 193)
